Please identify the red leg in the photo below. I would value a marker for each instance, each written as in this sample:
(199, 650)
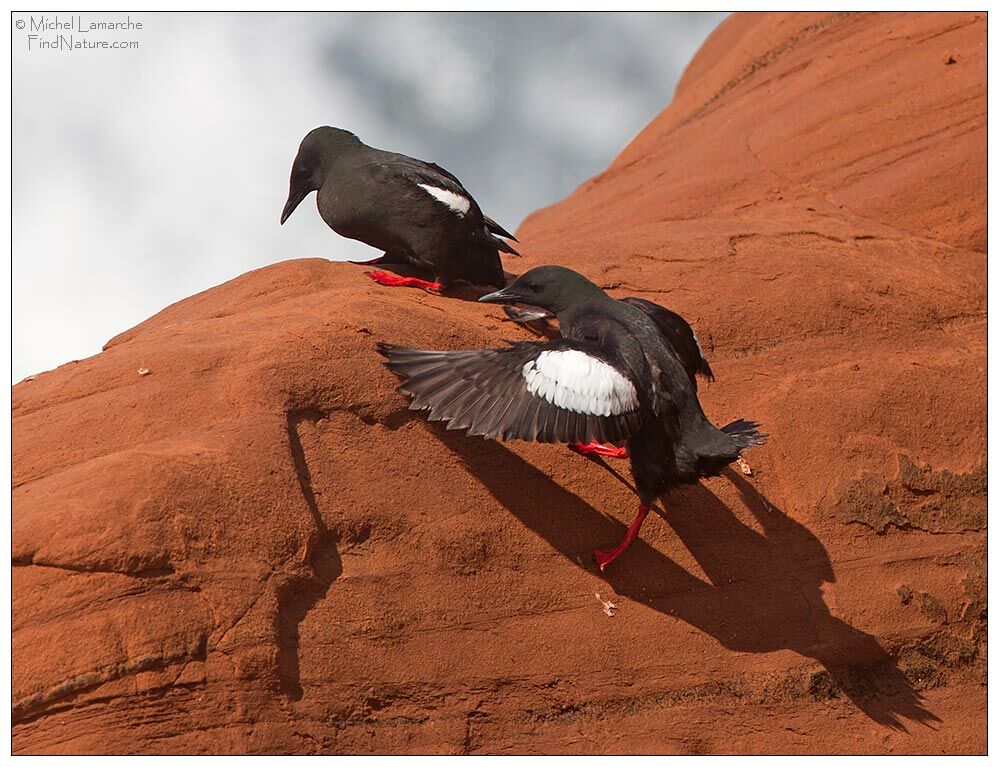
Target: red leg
(395, 281)
(596, 448)
(604, 558)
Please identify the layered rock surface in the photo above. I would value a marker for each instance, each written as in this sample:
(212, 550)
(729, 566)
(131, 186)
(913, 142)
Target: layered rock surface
(256, 548)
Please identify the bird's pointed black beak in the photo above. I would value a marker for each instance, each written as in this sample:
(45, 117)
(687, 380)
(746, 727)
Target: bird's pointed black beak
(294, 198)
(504, 296)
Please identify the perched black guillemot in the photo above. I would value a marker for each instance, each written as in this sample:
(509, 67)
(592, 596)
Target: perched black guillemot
(415, 211)
(622, 373)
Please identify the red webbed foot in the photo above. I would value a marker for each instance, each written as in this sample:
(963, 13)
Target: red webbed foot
(395, 281)
(598, 448)
(604, 558)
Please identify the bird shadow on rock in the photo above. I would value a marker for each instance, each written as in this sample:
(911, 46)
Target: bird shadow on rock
(298, 594)
(763, 591)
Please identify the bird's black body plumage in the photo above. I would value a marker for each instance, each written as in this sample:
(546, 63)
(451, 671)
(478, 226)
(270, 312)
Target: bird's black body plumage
(415, 211)
(623, 372)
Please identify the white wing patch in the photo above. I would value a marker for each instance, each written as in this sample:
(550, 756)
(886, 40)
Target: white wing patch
(574, 380)
(455, 202)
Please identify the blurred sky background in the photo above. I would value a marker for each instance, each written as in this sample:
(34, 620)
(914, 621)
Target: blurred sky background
(143, 176)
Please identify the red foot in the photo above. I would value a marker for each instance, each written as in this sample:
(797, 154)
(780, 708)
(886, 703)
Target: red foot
(604, 558)
(597, 448)
(395, 281)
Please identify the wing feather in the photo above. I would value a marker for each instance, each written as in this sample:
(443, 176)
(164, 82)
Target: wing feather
(680, 336)
(558, 391)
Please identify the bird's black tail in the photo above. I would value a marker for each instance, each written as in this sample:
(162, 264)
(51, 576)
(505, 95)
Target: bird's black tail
(726, 445)
(495, 228)
(744, 433)
(495, 234)
(503, 245)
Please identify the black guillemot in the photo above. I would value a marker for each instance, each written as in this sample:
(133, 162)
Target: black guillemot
(416, 212)
(624, 373)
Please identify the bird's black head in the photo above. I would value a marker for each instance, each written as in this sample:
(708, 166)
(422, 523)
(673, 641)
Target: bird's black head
(316, 154)
(554, 288)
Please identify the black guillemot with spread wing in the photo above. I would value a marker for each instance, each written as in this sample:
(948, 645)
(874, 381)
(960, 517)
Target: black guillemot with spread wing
(622, 373)
(415, 211)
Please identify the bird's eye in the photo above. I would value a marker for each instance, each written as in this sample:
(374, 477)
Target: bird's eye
(533, 287)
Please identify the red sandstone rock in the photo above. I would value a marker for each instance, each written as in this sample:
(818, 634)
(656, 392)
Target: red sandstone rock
(256, 548)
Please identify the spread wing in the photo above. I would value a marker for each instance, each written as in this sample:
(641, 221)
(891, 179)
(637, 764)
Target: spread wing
(560, 391)
(679, 335)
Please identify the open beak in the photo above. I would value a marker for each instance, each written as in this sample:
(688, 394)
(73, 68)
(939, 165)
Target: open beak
(293, 200)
